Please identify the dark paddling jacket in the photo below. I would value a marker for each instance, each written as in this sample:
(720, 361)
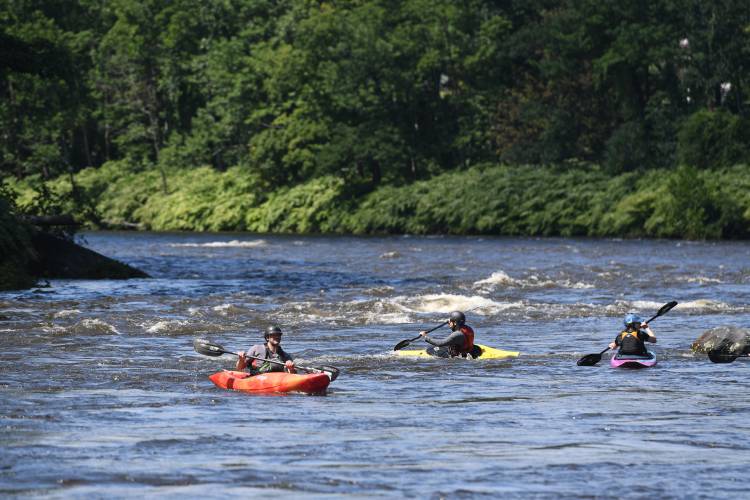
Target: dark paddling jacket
(262, 351)
(459, 343)
(632, 342)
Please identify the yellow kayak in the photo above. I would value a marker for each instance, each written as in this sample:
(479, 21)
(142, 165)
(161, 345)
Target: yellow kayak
(486, 353)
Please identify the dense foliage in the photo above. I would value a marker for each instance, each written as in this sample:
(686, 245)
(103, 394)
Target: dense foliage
(380, 115)
(485, 199)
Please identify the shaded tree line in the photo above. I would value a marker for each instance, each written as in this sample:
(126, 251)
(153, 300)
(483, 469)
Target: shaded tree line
(372, 91)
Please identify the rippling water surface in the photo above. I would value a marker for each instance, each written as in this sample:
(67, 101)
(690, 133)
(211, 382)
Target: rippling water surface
(103, 396)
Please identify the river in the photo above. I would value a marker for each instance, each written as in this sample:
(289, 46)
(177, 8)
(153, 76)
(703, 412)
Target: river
(103, 396)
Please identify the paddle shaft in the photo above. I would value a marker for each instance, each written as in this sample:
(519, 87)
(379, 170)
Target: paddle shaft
(223, 351)
(405, 343)
(652, 318)
(429, 331)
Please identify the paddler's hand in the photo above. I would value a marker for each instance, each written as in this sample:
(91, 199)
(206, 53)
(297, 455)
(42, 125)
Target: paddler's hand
(423, 333)
(612, 345)
(241, 361)
(289, 365)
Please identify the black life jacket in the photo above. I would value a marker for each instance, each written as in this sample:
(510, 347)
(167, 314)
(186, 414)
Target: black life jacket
(630, 343)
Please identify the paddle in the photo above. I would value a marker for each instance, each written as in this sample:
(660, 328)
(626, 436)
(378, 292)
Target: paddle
(405, 343)
(592, 359)
(203, 346)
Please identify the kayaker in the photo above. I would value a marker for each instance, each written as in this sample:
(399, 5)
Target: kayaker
(270, 350)
(633, 339)
(458, 343)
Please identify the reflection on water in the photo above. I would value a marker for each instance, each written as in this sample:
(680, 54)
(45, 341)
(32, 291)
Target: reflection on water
(102, 394)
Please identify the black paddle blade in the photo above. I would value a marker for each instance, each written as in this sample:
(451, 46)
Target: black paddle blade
(401, 345)
(203, 346)
(590, 359)
(666, 308)
(405, 343)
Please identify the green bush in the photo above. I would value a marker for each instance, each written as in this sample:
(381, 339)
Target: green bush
(201, 199)
(309, 207)
(567, 200)
(714, 139)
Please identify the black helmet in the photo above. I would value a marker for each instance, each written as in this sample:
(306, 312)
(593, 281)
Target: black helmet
(458, 318)
(272, 330)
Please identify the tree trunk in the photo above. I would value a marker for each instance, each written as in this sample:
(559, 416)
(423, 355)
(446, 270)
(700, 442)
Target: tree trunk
(376, 172)
(86, 148)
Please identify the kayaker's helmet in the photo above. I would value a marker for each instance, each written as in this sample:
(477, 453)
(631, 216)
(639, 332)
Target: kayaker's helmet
(458, 318)
(632, 319)
(272, 330)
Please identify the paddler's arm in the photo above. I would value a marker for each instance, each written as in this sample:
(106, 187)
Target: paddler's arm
(455, 338)
(647, 330)
(613, 345)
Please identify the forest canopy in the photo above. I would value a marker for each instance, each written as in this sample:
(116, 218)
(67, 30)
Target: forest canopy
(352, 101)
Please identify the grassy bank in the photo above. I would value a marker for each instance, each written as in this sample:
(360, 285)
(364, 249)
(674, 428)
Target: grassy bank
(487, 199)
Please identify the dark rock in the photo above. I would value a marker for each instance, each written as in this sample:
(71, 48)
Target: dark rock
(63, 259)
(729, 338)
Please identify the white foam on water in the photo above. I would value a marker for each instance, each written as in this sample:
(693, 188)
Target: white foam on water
(578, 285)
(66, 313)
(393, 318)
(704, 305)
(390, 255)
(227, 309)
(92, 325)
(444, 303)
(648, 307)
(166, 326)
(223, 244)
(701, 280)
(497, 278)
(500, 278)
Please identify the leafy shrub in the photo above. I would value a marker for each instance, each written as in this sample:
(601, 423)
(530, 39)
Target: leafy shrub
(714, 139)
(309, 207)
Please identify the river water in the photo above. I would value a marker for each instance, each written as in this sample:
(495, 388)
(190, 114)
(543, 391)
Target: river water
(102, 395)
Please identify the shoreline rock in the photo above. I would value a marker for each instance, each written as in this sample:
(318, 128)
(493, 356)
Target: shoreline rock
(59, 258)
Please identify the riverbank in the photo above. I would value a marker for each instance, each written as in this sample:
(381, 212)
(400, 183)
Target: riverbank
(16, 250)
(486, 199)
(28, 254)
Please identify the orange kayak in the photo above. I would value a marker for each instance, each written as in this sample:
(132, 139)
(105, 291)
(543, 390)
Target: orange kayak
(271, 382)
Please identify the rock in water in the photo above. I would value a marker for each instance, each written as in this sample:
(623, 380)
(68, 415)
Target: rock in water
(63, 259)
(729, 338)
